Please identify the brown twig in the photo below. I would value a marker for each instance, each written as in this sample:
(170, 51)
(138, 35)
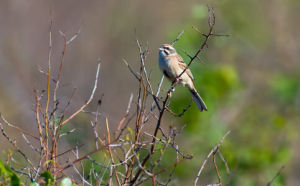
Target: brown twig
(81, 158)
(217, 170)
(14, 143)
(163, 170)
(177, 38)
(38, 121)
(213, 150)
(125, 116)
(18, 128)
(211, 23)
(46, 139)
(277, 174)
(88, 101)
(110, 152)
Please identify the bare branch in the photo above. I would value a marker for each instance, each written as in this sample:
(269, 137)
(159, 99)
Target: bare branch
(30, 145)
(89, 100)
(14, 143)
(177, 38)
(18, 128)
(130, 69)
(214, 150)
(125, 116)
(277, 174)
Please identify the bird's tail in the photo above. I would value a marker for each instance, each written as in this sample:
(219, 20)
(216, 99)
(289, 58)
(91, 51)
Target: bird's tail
(196, 97)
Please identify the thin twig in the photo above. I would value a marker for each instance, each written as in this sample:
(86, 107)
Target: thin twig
(30, 145)
(18, 128)
(89, 100)
(46, 119)
(125, 116)
(110, 151)
(14, 143)
(213, 150)
(216, 167)
(277, 174)
(130, 69)
(177, 38)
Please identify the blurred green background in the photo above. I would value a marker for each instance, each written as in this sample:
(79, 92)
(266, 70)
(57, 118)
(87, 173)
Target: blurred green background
(250, 81)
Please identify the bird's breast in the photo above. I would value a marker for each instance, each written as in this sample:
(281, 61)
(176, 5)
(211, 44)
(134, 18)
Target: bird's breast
(166, 66)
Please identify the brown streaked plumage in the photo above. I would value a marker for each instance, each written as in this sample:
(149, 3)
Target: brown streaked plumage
(172, 65)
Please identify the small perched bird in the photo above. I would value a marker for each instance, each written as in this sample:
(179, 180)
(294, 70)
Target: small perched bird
(172, 65)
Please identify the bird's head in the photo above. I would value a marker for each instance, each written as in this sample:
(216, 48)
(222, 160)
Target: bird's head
(167, 50)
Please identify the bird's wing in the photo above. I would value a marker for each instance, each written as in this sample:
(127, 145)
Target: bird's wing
(182, 65)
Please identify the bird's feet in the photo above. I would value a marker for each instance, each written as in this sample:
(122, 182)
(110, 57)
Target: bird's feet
(171, 90)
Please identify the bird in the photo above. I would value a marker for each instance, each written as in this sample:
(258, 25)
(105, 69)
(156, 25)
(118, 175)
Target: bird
(172, 65)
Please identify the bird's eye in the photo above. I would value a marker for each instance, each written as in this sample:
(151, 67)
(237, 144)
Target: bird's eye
(166, 52)
(168, 48)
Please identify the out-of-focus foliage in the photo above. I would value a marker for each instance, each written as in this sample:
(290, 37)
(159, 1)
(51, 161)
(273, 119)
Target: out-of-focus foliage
(8, 177)
(48, 178)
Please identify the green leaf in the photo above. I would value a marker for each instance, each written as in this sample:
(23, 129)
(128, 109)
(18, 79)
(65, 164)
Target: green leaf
(15, 180)
(48, 178)
(5, 172)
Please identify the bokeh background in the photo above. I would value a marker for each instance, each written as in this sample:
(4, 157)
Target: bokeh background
(250, 81)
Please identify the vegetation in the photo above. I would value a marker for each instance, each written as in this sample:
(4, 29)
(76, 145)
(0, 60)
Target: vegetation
(245, 138)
